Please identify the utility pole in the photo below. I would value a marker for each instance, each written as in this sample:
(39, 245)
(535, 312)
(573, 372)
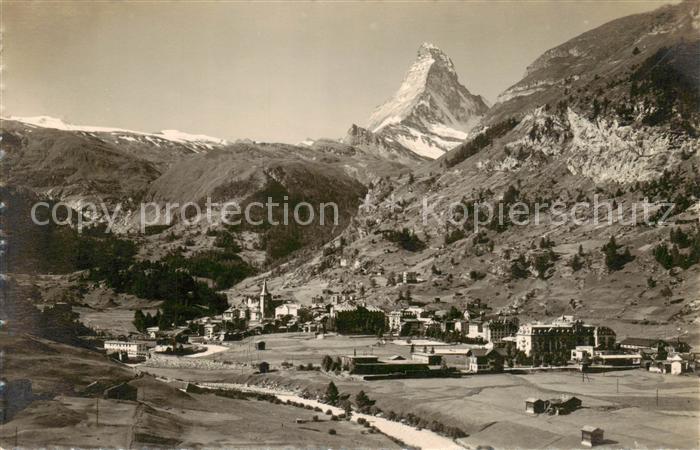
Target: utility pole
(617, 387)
(657, 397)
(97, 411)
(16, 438)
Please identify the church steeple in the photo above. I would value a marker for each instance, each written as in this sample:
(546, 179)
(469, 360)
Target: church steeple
(266, 308)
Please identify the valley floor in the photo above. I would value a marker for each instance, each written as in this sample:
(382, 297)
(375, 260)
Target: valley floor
(490, 408)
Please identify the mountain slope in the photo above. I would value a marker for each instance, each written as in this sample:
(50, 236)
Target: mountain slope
(381, 145)
(195, 142)
(617, 126)
(78, 166)
(605, 52)
(431, 112)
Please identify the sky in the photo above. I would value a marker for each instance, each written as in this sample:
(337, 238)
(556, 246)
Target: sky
(269, 71)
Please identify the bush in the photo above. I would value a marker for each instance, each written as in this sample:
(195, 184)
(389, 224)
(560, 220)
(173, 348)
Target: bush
(519, 268)
(406, 239)
(476, 275)
(454, 236)
(332, 431)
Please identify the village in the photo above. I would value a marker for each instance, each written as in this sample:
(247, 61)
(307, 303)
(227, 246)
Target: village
(428, 374)
(442, 343)
(265, 344)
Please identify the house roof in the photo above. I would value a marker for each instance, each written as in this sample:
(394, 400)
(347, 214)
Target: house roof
(590, 428)
(501, 351)
(641, 342)
(620, 356)
(289, 306)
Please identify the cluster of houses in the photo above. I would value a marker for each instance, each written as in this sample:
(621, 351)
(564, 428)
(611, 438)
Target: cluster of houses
(493, 341)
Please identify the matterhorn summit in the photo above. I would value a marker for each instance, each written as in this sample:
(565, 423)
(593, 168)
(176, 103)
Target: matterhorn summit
(431, 112)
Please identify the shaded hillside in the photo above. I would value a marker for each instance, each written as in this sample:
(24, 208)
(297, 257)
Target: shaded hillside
(72, 165)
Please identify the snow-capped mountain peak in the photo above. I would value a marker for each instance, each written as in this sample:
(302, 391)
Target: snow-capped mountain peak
(432, 111)
(168, 135)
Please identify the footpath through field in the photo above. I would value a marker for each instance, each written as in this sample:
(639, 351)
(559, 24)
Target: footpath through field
(424, 439)
(211, 349)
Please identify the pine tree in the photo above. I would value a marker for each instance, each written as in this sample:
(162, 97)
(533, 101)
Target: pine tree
(613, 259)
(327, 363)
(332, 394)
(362, 401)
(576, 263)
(140, 320)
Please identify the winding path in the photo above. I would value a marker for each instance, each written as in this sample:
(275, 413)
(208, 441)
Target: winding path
(424, 439)
(211, 349)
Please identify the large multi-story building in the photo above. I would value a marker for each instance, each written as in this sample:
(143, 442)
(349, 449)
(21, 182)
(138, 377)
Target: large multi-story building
(353, 319)
(604, 337)
(132, 349)
(501, 328)
(565, 333)
(492, 330)
(415, 316)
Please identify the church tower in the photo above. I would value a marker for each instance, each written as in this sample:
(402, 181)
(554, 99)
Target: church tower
(266, 309)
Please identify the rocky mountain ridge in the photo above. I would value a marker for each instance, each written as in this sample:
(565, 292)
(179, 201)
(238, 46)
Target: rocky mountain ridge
(432, 111)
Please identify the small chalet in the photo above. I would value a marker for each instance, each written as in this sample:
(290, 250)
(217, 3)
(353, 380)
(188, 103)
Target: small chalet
(485, 360)
(591, 436)
(534, 405)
